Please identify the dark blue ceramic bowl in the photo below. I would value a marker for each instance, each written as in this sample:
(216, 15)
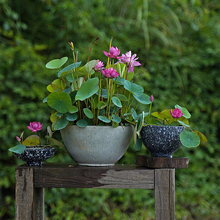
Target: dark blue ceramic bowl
(34, 156)
(161, 141)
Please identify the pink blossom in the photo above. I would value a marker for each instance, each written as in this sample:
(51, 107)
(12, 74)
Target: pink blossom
(35, 126)
(176, 113)
(130, 60)
(98, 66)
(151, 98)
(110, 73)
(113, 53)
(18, 139)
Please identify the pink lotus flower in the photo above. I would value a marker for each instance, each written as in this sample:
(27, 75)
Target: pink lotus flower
(98, 66)
(130, 60)
(113, 53)
(35, 126)
(110, 73)
(176, 113)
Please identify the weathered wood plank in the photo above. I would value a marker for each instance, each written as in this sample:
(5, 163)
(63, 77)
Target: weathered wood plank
(38, 204)
(164, 194)
(73, 176)
(24, 191)
(29, 202)
(162, 162)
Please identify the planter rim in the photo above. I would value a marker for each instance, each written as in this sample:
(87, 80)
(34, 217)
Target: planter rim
(39, 147)
(162, 126)
(92, 126)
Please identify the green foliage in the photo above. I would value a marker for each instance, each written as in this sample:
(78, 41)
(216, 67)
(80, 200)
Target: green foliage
(19, 149)
(81, 90)
(189, 139)
(57, 63)
(178, 46)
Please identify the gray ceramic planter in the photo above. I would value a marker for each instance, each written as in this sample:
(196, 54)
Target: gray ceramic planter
(96, 145)
(34, 156)
(161, 141)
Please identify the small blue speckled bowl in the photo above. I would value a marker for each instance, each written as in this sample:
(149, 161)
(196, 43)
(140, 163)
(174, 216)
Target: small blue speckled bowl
(161, 141)
(34, 156)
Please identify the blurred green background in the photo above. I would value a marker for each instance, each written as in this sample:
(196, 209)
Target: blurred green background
(178, 45)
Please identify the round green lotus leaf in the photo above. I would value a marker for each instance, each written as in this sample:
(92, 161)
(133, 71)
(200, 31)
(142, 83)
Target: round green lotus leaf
(56, 63)
(59, 114)
(31, 140)
(189, 139)
(68, 69)
(133, 88)
(88, 113)
(19, 149)
(71, 117)
(122, 97)
(143, 99)
(116, 119)
(82, 123)
(56, 85)
(90, 65)
(88, 89)
(60, 101)
(73, 109)
(62, 123)
(120, 81)
(101, 105)
(116, 101)
(104, 119)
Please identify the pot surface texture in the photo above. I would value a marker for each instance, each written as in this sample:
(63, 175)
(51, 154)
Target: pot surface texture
(34, 156)
(96, 145)
(161, 141)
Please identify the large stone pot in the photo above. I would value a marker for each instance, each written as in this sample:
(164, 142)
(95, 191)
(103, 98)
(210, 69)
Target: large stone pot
(161, 141)
(96, 145)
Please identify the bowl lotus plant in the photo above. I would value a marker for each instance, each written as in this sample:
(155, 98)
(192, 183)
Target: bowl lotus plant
(95, 93)
(179, 116)
(33, 140)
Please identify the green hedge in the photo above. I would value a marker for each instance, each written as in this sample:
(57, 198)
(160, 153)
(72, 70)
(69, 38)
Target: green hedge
(177, 43)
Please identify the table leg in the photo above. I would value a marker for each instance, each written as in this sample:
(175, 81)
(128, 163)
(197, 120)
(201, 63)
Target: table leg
(29, 201)
(38, 203)
(164, 194)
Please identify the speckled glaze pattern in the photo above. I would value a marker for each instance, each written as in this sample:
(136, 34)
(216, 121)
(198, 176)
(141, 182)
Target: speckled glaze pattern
(161, 141)
(34, 156)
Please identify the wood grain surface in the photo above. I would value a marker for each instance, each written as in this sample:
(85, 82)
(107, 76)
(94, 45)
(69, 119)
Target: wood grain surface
(162, 162)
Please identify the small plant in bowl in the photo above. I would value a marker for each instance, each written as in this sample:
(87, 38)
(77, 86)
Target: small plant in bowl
(164, 132)
(31, 150)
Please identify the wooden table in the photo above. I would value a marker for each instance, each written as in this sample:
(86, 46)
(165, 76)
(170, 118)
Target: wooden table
(31, 181)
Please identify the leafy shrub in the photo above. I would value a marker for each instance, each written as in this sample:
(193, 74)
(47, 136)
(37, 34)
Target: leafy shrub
(177, 67)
